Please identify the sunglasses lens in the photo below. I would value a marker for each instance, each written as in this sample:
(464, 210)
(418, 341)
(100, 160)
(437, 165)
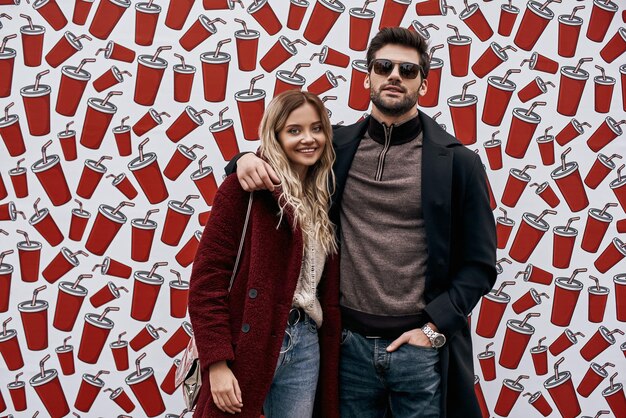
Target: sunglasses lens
(383, 67)
(409, 70)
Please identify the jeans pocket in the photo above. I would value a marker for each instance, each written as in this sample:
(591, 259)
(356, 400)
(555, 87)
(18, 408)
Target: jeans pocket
(345, 335)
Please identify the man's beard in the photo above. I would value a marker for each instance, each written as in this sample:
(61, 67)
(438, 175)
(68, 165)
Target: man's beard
(398, 108)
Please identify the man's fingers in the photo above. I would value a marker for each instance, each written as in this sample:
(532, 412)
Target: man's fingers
(233, 402)
(225, 403)
(273, 176)
(217, 399)
(395, 344)
(238, 392)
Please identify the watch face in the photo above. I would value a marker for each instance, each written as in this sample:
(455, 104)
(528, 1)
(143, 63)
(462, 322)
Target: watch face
(439, 341)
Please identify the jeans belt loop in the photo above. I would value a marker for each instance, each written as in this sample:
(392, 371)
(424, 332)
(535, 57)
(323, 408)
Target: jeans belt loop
(296, 315)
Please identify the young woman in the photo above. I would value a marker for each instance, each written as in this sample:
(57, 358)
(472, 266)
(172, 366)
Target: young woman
(266, 343)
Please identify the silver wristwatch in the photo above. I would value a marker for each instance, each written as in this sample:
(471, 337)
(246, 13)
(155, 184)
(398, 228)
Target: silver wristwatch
(437, 339)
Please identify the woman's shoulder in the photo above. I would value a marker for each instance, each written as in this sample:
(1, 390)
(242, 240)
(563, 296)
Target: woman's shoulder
(231, 187)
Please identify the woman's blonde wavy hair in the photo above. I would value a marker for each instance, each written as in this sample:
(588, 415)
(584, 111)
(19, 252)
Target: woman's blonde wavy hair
(309, 199)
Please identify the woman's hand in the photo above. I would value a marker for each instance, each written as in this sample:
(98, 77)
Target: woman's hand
(225, 388)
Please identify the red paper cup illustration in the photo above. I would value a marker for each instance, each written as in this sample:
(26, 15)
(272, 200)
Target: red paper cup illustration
(117, 52)
(611, 255)
(34, 315)
(484, 409)
(332, 57)
(361, 19)
(29, 253)
(602, 14)
(531, 230)
(143, 384)
(65, 354)
(142, 236)
(433, 8)
(185, 123)
(563, 244)
(534, 21)
(561, 390)
(622, 71)
(49, 172)
(504, 226)
(595, 229)
(90, 387)
(508, 15)
(105, 227)
(179, 340)
(176, 220)
(17, 391)
(8, 212)
(6, 273)
(325, 14)
(146, 17)
(566, 293)
(72, 86)
(510, 391)
(107, 16)
(44, 223)
(251, 105)
(91, 176)
(619, 282)
(570, 132)
(123, 184)
(215, 75)
(197, 33)
(67, 139)
(179, 292)
(600, 169)
(19, 179)
(603, 89)
(564, 341)
(150, 70)
(95, 333)
(605, 133)
(598, 296)
(493, 149)
(535, 274)
(11, 133)
(119, 349)
(106, 294)
(49, 390)
(545, 192)
(122, 138)
(599, 341)
(168, 385)
(297, 9)
(569, 182)
(594, 376)
(97, 120)
(180, 160)
(62, 263)
(476, 21)
(534, 89)
(487, 361)
(523, 126)
(539, 402)
(571, 86)
(149, 121)
(459, 49)
(515, 185)
(263, 13)
(69, 301)
(109, 78)
(247, 42)
(121, 399)
(546, 147)
(280, 52)
(492, 308)
(7, 62)
(359, 96)
(614, 396)
(81, 11)
(393, 13)
(527, 301)
(499, 92)
(10, 348)
(204, 179)
(463, 112)
(185, 256)
(541, 63)
(147, 335)
(51, 12)
(493, 56)
(177, 13)
(224, 135)
(146, 170)
(569, 32)
(67, 46)
(146, 288)
(183, 80)
(36, 100)
(32, 42)
(516, 340)
(324, 83)
(203, 217)
(539, 355)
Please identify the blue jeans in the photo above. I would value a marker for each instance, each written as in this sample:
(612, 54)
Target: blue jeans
(292, 393)
(373, 382)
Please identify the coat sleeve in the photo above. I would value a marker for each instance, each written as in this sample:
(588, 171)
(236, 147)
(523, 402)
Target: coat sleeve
(476, 273)
(211, 273)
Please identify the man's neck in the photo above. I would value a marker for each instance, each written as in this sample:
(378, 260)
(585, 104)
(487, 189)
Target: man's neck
(393, 120)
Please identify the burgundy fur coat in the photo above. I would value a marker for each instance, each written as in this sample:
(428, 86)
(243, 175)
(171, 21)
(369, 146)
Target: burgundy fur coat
(246, 327)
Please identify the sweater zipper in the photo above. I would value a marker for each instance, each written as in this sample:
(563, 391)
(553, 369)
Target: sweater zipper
(383, 153)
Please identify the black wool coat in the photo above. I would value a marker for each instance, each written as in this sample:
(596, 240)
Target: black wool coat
(461, 240)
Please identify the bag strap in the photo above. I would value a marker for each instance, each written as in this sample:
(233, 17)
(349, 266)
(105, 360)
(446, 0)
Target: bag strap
(241, 242)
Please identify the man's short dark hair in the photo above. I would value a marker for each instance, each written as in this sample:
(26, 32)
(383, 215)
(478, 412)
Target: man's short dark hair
(403, 37)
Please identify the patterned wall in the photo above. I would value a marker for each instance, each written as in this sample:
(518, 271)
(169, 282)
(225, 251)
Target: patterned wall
(119, 118)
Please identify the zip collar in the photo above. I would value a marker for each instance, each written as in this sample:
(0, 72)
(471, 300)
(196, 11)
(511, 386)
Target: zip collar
(402, 133)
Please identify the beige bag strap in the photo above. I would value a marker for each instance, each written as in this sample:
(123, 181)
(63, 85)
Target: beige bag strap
(241, 242)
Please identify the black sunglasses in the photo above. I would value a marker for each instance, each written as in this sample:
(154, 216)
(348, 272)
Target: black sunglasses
(407, 70)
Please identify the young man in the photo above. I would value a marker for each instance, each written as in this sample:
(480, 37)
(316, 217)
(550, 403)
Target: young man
(418, 245)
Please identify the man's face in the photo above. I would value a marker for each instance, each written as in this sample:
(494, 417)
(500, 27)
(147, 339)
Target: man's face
(393, 95)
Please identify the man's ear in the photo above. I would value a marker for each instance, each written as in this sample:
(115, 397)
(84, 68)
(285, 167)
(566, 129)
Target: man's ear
(366, 81)
(423, 88)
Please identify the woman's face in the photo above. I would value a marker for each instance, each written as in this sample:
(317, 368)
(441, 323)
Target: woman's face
(302, 138)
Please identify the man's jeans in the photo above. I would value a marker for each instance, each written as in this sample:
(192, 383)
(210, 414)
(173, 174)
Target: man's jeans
(373, 381)
(292, 393)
